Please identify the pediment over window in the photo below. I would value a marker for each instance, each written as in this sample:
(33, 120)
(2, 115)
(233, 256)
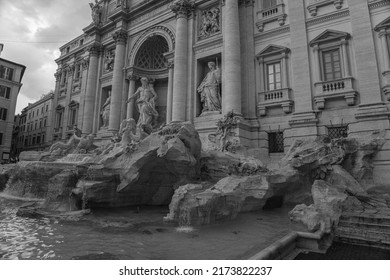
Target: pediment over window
(272, 50)
(73, 104)
(59, 108)
(329, 35)
(383, 25)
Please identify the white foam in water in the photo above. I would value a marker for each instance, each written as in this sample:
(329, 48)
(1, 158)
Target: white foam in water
(185, 229)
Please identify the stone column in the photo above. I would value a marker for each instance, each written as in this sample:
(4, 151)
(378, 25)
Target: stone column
(385, 50)
(120, 38)
(231, 95)
(182, 9)
(90, 94)
(261, 70)
(130, 106)
(344, 51)
(317, 63)
(284, 71)
(170, 91)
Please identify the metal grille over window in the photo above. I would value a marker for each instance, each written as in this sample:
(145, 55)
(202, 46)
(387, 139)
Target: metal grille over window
(151, 54)
(338, 132)
(275, 142)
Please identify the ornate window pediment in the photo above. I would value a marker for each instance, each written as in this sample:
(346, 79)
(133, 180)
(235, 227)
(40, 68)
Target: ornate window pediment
(60, 108)
(73, 104)
(383, 25)
(329, 35)
(271, 50)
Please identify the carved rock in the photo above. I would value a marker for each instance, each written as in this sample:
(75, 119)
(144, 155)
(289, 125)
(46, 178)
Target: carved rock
(200, 205)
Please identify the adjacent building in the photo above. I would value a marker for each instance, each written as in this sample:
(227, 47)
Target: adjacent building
(34, 126)
(11, 75)
(291, 69)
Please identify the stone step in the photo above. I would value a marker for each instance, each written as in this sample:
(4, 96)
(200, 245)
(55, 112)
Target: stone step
(364, 234)
(363, 241)
(364, 225)
(365, 218)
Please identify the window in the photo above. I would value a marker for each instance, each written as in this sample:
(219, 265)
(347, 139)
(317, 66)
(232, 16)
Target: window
(26, 142)
(33, 140)
(33, 114)
(3, 114)
(275, 142)
(67, 49)
(6, 73)
(42, 111)
(39, 139)
(274, 76)
(268, 4)
(47, 108)
(5, 92)
(151, 53)
(332, 65)
(1, 138)
(78, 72)
(59, 120)
(36, 125)
(81, 42)
(40, 123)
(338, 132)
(43, 138)
(44, 122)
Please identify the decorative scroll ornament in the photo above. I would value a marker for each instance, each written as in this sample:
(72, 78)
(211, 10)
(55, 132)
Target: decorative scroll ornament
(210, 22)
(96, 12)
(183, 8)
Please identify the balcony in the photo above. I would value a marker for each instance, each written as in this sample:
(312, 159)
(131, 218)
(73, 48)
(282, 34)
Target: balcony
(275, 98)
(276, 13)
(334, 89)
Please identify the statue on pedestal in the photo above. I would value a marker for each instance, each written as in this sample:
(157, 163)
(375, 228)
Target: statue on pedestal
(96, 11)
(146, 97)
(105, 113)
(209, 90)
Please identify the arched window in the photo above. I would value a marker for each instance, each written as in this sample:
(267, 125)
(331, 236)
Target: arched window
(151, 53)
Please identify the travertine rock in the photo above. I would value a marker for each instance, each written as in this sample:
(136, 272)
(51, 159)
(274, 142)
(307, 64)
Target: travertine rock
(216, 165)
(306, 215)
(341, 178)
(199, 205)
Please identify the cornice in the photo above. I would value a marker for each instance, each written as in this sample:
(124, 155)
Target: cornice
(378, 4)
(273, 33)
(327, 17)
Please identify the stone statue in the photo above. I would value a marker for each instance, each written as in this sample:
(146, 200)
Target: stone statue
(121, 3)
(96, 11)
(105, 113)
(60, 148)
(146, 103)
(109, 61)
(85, 144)
(209, 90)
(210, 22)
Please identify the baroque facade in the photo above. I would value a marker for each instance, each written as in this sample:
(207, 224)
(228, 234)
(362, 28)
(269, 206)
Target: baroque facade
(11, 75)
(289, 69)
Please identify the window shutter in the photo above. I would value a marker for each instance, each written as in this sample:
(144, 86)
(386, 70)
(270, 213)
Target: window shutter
(8, 93)
(10, 74)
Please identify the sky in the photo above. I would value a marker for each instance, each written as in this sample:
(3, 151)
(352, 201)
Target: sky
(32, 32)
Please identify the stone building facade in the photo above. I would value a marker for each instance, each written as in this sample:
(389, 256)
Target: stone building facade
(34, 126)
(11, 75)
(290, 69)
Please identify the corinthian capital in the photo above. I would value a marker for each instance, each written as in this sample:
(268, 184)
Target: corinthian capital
(95, 49)
(183, 8)
(120, 37)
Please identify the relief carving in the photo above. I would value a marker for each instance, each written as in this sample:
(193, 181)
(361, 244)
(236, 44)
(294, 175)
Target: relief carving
(109, 59)
(210, 22)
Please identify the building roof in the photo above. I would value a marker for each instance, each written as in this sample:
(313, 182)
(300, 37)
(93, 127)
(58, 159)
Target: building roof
(16, 64)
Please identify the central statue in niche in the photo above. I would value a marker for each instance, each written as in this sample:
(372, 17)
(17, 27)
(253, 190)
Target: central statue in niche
(209, 90)
(146, 98)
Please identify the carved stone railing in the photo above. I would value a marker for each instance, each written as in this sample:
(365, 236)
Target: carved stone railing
(334, 89)
(315, 4)
(276, 13)
(275, 98)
